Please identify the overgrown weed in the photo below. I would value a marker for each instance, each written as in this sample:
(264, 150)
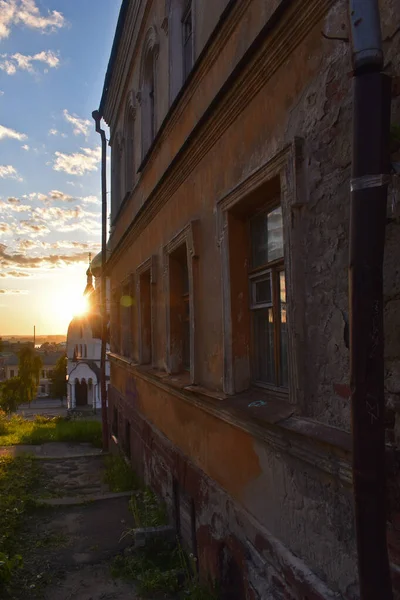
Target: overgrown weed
(119, 476)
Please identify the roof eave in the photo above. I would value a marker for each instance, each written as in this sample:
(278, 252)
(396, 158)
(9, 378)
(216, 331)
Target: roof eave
(113, 56)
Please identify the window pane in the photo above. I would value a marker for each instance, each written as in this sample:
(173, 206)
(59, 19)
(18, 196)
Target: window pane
(266, 237)
(262, 291)
(283, 325)
(264, 362)
(275, 234)
(186, 335)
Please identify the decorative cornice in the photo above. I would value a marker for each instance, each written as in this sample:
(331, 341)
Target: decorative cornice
(188, 236)
(148, 265)
(234, 96)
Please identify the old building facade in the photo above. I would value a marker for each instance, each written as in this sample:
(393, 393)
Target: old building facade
(230, 135)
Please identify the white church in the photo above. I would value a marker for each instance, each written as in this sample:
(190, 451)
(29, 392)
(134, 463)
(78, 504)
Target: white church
(84, 346)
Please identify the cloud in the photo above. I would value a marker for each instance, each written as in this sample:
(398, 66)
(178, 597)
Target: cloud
(77, 163)
(90, 200)
(53, 131)
(24, 245)
(80, 126)
(1, 93)
(35, 196)
(56, 214)
(33, 228)
(25, 12)
(9, 172)
(10, 64)
(18, 260)
(14, 274)
(14, 205)
(25, 147)
(6, 132)
(57, 195)
(5, 228)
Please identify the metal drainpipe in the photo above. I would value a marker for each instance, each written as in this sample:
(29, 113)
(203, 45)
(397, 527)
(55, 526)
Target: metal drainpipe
(103, 301)
(369, 183)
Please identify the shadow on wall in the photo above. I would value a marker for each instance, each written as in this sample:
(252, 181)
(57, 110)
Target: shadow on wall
(231, 582)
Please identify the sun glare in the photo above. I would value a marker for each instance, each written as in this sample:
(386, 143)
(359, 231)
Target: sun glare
(80, 306)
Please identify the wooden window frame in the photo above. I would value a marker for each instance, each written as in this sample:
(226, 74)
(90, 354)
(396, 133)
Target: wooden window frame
(272, 268)
(287, 167)
(147, 349)
(125, 329)
(188, 238)
(115, 329)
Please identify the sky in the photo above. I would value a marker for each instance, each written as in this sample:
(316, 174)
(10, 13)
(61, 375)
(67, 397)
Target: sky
(53, 60)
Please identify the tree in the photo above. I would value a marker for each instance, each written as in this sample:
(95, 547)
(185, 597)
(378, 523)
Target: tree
(58, 385)
(10, 395)
(30, 365)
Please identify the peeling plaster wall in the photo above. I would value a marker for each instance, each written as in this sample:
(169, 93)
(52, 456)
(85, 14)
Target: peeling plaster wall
(246, 489)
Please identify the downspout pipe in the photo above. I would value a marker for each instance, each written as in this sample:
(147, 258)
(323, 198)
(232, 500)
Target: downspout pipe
(369, 185)
(103, 299)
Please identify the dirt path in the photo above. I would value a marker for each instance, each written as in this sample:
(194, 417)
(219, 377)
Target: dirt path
(70, 546)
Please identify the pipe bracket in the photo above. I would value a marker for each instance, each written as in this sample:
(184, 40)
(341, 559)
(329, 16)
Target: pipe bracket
(369, 181)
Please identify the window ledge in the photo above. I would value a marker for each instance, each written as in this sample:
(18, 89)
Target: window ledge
(261, 413)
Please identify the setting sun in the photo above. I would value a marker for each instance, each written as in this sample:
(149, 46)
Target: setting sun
(80, 306)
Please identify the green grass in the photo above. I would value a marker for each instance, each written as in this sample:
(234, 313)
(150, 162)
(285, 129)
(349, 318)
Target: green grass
(162, 567)
(154, 568)
(17, 430)
(147, 510)
(18, 478)
(119, 475)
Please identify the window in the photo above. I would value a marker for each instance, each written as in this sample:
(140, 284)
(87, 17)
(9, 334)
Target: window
(43, 374)
(146, 279)
(181, 28)
(145, 318)
(116, 175)
(125, 315)
(180, 307)
(130, 143)
(268, 299)
(116, 322)
(148, 89)
(181, 276)
(85, 351)
(187, 40)
(12, 372)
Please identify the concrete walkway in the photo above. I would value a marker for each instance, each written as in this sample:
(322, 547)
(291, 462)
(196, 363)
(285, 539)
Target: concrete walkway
(81, 526)
(51, 450)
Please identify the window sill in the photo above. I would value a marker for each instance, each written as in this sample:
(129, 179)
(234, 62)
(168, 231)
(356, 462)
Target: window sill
(254, 408)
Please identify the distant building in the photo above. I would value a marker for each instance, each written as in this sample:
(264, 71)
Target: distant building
(9, 368)
(84, 347)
